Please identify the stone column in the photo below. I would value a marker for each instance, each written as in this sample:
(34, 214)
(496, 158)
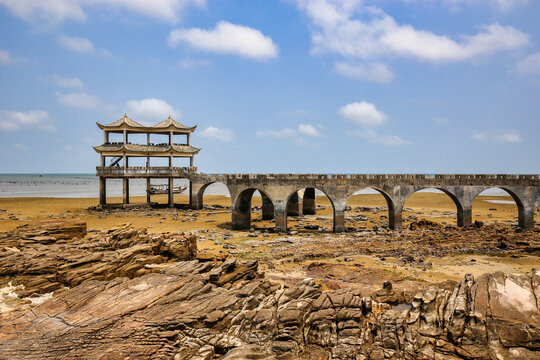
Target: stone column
(281, 219)
(526, 217)
(339, 220)
(170, 138)
(308, 204)
(267, 208)
(148, 190)
(126, 191)
(102, 191)
(293, 205)
(395, 216)
(170, 192)
(105, 137)
(464, 216)
(188, 138)
(191, 161)
(125, 137)
(195, 201)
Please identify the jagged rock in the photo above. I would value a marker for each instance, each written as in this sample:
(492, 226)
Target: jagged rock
(227, 310)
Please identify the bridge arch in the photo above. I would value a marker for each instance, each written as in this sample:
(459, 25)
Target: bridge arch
(200, 192)
(501, 203)
(459, 207)
(379, 192)
(241, 207)
(293, 196)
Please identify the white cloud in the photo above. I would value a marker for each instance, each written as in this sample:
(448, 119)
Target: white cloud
(503, 5)
(309, 130)
(373, 136)
(372, 72)
(280, 134)
(530, 65)
(14, 120)
(56, 11)
(6, 58)
(510, 136)
(77, 44)
(217, 133)
(73, 83)
(354, 30)
(20, 147)
(362, 113)
(80, 100)
(440, 120)
(151, 109)
(227, 38)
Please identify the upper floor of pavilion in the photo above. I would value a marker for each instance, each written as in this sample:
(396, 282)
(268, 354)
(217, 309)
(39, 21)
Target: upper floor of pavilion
(131, 143)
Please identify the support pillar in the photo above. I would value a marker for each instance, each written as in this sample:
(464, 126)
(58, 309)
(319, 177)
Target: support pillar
(148, 190)
(526, 217)
(293, 205)
(395, 216)
(170, 192)
(308, 203)
(281, 219)
(464, 216)
(339, 220)
(267, 208)
(102, 191)
(125, 191)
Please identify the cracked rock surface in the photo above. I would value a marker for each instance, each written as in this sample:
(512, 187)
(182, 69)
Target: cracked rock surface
(228, 310)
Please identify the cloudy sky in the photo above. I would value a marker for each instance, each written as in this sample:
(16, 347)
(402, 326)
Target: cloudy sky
(316, 86)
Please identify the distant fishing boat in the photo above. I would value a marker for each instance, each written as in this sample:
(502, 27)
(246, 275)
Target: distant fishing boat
(164, 189)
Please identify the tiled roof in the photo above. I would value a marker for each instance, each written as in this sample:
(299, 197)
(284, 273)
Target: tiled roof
(152, 148)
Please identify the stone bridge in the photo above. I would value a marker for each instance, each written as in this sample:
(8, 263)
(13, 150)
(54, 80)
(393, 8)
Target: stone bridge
(280, 194)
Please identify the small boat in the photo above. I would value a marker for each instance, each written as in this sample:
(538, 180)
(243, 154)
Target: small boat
(164, 189)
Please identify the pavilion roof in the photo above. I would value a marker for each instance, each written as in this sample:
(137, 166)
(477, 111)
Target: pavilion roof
(170, 122)
(127, 123)
(139, 148)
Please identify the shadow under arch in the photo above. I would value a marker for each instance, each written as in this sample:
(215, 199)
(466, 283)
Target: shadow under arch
(293, 196)
(460, 212)
(377, 192)
(500, 202)
(241, 208)
(200, 193)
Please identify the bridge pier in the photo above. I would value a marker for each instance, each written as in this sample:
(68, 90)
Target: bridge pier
(526, 217)
(395, 216)
(339, 220)
(293, 205)
(281, 219)
(267, 208)
(464, 216)
(308, 203)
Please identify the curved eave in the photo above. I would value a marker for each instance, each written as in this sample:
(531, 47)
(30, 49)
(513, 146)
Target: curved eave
(143, 149)
(149, 129)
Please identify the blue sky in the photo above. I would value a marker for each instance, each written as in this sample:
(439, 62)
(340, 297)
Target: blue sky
(306, 86)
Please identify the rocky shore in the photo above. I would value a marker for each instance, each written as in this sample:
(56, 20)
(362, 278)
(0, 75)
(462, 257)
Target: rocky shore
(127, 294)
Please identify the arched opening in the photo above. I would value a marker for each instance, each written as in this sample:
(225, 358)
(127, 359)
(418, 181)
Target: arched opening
(497, 205)
(248, 201)
(214, 199)
(368, 209)
(431, 204)
(309, 209)
(214, 196)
